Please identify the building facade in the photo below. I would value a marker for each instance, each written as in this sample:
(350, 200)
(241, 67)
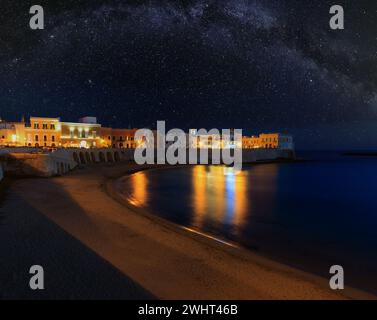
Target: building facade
(80, 135)
(42, 132)
(12, 134)
(268, 141)
(252, 142)
(119, 138)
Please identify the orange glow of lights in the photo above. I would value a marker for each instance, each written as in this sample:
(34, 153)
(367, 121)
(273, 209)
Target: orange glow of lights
(199, 183)
(139, 193)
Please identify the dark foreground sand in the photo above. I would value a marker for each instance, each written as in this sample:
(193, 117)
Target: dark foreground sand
(92, 246)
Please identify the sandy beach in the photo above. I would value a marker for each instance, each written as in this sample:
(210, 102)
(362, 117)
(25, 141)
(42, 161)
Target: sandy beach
(92, 245)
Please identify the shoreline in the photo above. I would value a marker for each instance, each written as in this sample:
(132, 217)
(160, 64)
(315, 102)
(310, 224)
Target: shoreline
(293, 260)
(157, 255)
(111, 190)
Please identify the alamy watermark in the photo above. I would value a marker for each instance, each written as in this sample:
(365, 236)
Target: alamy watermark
(37, 20)
(195, 147)
(37, 280)
(337, 280)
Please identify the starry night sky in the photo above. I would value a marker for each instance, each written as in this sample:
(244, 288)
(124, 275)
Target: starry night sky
(258, 65)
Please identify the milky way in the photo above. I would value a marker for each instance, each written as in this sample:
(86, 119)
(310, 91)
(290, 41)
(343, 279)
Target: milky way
(257, 65)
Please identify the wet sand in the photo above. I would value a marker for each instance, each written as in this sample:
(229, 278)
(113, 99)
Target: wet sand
(94, 246)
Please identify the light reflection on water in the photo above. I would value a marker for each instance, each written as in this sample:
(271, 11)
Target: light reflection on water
(139, 193)
(217, 195)
(220, 195)
(217, 199)
(308, 215)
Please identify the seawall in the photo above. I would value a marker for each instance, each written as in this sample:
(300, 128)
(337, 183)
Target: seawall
(34, 162)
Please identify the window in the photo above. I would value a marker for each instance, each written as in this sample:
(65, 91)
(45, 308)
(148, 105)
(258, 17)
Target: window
(109, 137)
(52, 127)
(113, 137)
(53, 138)
(44, 126)
(36, 138)
(94, 134)
(36, 125)
(44, 138)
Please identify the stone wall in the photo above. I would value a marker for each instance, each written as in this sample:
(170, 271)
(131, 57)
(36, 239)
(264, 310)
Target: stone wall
(254, 155)
(33, 162)
(47, 164)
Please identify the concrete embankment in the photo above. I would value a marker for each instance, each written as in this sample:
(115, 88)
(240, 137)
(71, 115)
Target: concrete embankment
(154, 256)
(34, 162)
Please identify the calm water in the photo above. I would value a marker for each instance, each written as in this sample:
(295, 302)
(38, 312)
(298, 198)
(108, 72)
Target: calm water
(310, 215)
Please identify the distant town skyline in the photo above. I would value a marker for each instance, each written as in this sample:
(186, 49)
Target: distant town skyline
(266, 66)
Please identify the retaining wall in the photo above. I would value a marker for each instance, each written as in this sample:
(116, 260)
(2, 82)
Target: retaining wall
(47, 164)
(33, 162)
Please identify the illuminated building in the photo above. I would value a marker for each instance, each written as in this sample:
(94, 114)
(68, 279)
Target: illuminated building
(119, 138)
(84, 134)
(87, 133)
(211, 140)
(268, 141)
(51, 133)
(42, 132)
(12, 134)
(252, 142)
(122, 138)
